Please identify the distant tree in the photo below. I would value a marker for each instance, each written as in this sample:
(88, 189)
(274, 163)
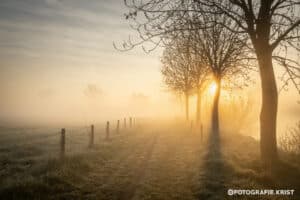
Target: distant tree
(184, 53)
(177, 70)
(223, 52)
(200, 75)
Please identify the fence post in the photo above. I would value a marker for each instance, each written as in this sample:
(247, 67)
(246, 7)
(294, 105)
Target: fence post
(92, 136)
(130, 122)
(201, 132)
(62, 143)
(124, 122)
(118, 126)
(107, 130)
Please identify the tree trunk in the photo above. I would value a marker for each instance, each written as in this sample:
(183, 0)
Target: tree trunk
(268, 115)
(187, 106)
(215, 108)
(198, 112)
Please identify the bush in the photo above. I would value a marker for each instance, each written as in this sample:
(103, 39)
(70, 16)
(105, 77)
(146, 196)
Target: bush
(290, 141)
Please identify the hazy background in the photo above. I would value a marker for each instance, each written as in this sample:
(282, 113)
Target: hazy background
(59, 67)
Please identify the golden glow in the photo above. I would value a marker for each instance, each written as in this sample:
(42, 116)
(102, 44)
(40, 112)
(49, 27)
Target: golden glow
(212, 88)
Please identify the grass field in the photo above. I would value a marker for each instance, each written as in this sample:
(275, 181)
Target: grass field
(138, 164)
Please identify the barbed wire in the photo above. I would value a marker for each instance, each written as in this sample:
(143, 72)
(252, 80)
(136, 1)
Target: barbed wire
(73, 137)
(30, 140)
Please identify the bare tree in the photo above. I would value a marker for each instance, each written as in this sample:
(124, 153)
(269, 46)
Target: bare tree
(200, 75)
(189, 73)
(272, 30)
(213, 49)
(224, 52)
(177, 71)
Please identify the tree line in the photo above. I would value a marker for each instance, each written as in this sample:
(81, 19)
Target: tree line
(225, 39)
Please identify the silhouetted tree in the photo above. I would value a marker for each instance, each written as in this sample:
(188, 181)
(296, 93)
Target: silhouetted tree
(224, 52)
(200, 75)
(182, 55)
(177, 69)
(272, 30)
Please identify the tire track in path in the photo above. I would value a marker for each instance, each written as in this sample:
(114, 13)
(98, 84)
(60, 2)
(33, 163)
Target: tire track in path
(129, 192)
(107, 162)
(171, 172)
(108, 181)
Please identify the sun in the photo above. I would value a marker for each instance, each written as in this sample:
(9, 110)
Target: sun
(212, 88)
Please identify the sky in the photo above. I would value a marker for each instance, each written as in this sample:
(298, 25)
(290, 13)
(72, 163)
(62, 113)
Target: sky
(58, 65)
(56, 53)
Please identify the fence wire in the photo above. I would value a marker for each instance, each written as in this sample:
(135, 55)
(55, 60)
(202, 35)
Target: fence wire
(47, 142)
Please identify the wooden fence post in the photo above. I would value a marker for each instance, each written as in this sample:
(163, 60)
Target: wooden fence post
(201, 132)
(130, 122)
(62, 143)
(91, 136)
(107, 130)
(124, 122)
(118, 126)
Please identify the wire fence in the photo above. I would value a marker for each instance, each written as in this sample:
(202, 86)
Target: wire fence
(59, 142)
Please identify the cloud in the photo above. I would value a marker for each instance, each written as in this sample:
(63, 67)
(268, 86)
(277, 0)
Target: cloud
(93, 91)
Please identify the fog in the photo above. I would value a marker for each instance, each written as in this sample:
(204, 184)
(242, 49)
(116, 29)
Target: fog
(29, 103)
(91, 104)
(64, 70)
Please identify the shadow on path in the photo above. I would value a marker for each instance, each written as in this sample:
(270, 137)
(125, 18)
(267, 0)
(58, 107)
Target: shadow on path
(214, 171)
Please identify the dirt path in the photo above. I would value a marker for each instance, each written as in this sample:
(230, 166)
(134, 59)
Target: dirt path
(129, 191)
(172, 170)
(151, 166)
(116, 177)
